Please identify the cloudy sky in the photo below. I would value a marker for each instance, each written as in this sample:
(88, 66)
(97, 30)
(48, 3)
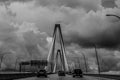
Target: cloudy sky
(28, 24)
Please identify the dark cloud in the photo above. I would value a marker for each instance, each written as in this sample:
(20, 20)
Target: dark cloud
(117, 3)
(14, 0)
(86, 4)
(107, 39)
(109, 3)
(84, 23)
(83, 28)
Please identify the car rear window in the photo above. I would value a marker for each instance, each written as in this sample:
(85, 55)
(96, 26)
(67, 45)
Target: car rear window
(77, 71)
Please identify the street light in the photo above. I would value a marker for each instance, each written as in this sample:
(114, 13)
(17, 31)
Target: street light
(113, 15)
(97, 58)
(77, 60)
(85, 61)
(18, 58)
(2, 57)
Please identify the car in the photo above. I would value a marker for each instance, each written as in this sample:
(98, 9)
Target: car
(42, 73)
(61, 73)
(78, 73)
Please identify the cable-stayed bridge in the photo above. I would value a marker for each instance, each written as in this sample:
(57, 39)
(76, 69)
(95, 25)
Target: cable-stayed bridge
(56, 60)
(52, 56)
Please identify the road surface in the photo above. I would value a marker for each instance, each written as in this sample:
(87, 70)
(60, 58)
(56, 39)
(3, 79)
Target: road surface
(67, 77)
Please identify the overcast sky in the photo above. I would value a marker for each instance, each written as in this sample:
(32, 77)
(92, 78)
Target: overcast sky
(84, 20)
(27, 23)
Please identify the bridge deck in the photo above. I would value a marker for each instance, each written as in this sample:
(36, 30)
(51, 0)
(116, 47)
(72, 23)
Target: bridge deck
(68, 77)
(31, 76)
(15, 75)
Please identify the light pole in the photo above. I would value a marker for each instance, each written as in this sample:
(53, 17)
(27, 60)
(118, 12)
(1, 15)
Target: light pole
(85, 61)
(113, 15)
(18, 58)
(77, 61)
(2, 57)
(97, 58)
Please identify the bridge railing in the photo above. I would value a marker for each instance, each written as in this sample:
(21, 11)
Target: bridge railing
(109, 76)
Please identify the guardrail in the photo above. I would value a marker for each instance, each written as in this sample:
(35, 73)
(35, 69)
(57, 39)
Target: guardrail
(18, 75)
(15, 75)
(109, 76)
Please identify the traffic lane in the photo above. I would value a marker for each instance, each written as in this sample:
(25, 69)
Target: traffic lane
(67, 77)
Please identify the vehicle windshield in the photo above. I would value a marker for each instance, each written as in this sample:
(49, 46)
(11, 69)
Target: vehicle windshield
(78, 71)
(42, 70)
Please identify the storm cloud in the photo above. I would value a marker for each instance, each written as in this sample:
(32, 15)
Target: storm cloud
(26, 24)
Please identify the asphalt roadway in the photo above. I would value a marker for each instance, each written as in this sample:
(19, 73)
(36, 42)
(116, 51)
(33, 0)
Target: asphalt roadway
(67, 77)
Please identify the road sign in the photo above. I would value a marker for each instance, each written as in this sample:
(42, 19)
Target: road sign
(25, 63)
(39, 62)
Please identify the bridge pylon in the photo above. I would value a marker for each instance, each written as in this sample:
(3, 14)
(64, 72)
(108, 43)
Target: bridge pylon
(52, 56)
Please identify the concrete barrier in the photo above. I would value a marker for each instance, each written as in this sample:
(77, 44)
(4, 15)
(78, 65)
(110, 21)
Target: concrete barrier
(15, 75)
(109, 76)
